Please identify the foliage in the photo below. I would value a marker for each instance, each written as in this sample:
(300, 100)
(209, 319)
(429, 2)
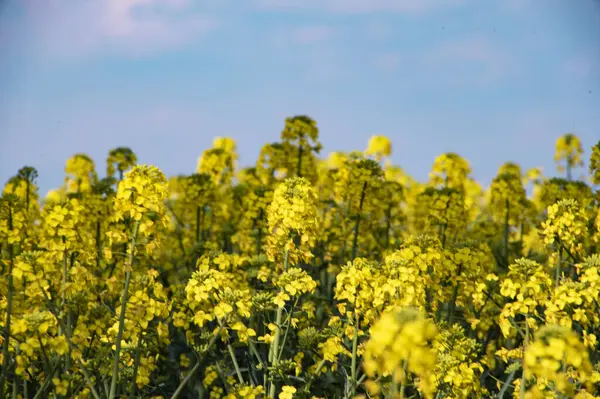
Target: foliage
(301, 277)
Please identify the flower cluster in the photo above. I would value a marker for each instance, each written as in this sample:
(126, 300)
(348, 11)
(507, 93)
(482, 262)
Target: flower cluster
(401, 347)
(558, 362)
(301, 277)
(292, 220)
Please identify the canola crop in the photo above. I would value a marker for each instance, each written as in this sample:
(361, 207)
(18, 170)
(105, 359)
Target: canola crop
(302, 277)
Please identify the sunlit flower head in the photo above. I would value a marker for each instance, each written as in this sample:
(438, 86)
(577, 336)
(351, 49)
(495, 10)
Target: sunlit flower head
(379, 147)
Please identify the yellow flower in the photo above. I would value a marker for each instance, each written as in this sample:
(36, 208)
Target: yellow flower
(379, 147)
(61, 386)
(142, 192)
(287, 392)
(400, 342)
(558, 355)
(81, 174)
(566, 223)
(120, 159)
(292, 220)
(568, 149)
(595, 163)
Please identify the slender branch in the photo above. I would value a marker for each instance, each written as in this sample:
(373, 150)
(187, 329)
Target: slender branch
(275, 348)
(312, 377)
(452, 305)
(523, 380)
(233, 358)
(506, 384)
(9, 305)
(84, 371)
(506, 229)
(193, 371)
(136, 365)
(558, 265)
(354, 353)
(300, 149)
(115, 372)
(287, 323)
(358, 216)
(47, 382)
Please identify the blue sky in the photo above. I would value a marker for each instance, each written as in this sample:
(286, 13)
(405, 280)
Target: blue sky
(491, 80)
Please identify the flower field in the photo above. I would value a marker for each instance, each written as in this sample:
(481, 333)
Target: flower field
(302, 277)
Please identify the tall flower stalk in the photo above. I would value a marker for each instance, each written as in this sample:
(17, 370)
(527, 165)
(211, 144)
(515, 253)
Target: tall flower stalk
(140, 194)
(291, 219)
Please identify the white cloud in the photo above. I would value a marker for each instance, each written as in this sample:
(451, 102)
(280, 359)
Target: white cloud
(281, 4)
(396, 6)
(361, 6)
(133, 27)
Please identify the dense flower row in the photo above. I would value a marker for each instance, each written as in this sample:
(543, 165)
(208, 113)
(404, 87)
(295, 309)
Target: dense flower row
(301, 277)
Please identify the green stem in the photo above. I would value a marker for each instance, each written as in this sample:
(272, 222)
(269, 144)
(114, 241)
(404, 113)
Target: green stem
(136, 365)
(199, 222)
(115, 372)
(275, 348)
(47, 382)
(354, 354)
(300, 158)
(388, 225)
(64, 302)
(317, 370)
(521, 233)
(287, 323)
(506, 384)
(522, 388)
(9, 305)
(187, 378)
(405, 371)
(223, 378)
(558, 265)
(428, 295)
(452, 305)
(506, 228)
(393, 390)
(357, 225)
(361, 379)
(574, 258)
(443, 229)
(193, 371)
(235, 364)
(233, 358)
(98, 246)
(259, 233)
(27, 197)
(61, 325)
(15, 385)
(260, 360)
